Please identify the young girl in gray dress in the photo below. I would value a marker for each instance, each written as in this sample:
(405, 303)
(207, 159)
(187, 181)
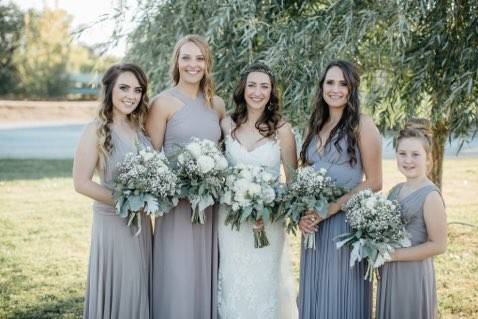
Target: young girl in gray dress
(185, 255)
(119, 271)
(347, 144)
(407, 286)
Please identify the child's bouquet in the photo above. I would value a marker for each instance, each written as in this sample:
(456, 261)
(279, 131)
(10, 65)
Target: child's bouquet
(250, 194)
(144, 183)
(311, 190)
(377, 229)
(201, 169)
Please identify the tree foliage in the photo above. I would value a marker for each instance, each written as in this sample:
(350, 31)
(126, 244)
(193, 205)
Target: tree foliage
(416, 57)
(10, 34)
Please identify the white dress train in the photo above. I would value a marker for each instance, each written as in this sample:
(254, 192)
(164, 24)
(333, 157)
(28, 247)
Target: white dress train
(254, 282)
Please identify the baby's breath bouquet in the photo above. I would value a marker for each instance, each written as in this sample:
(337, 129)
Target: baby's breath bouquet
(144, 183)
(377, 229)
(250, 194)
(201, 169)
(311, 190)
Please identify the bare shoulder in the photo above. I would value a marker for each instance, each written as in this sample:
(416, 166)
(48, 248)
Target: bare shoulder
(227, 123)
(434, 201)
(367, 128)
(90, 129)
(284, 129)
(219, 106)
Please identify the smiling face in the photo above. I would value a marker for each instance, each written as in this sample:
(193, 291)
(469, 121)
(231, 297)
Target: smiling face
(335, 89)
(412, 158)
(127, 93)
(257, 92)
(191, 63)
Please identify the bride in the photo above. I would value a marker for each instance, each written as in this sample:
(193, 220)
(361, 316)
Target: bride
(256, 283)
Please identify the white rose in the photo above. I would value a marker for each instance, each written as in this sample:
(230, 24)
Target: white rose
(323, 171)
(266, 177)
(245, 174)
(221, 163)
(194, 149)
(181, 159)
(205, 163)
(146, 155)
(268, 195)
(254, 189)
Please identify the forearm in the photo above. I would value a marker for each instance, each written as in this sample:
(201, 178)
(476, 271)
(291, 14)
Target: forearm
(419, 252)
(95, 191)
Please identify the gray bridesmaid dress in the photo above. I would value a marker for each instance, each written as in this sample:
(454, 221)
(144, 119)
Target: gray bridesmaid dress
(407, 289)
(329, 288)
(185, 256)
(120, 264)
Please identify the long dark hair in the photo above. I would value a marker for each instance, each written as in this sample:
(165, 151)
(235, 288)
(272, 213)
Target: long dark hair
(105, 111)
(268, 122)
(349, 122)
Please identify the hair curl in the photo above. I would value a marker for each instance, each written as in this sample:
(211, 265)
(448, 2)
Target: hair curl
(348, 124)
(418, 128)
(206, 85)
(269, 121)
(104, 115)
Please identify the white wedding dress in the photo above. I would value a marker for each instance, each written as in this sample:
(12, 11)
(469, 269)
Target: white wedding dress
(254, 282)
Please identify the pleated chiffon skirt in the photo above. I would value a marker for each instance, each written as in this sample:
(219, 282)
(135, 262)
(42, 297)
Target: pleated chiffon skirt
(120, 268)
(185, 265)
(329, 288)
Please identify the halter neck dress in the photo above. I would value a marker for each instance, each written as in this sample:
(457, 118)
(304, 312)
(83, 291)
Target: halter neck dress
(185, 255)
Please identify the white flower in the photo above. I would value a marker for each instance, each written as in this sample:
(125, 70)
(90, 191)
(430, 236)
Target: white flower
(194, 149)
(181, 159)
(268, 195)
(323, 171)
(266, 177)
(254, 189)
(221, 163)
(320, 179)
(146, 155)
(245, 174)
(205, 163)
(370, 202)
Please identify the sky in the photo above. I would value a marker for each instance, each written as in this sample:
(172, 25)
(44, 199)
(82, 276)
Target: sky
(85, 12)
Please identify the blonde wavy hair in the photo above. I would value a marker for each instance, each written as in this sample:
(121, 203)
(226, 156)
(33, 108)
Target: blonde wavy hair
(104, 116)
(207, 82)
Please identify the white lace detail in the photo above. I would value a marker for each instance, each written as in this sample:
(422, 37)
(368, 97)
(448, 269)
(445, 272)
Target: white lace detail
(254, 283)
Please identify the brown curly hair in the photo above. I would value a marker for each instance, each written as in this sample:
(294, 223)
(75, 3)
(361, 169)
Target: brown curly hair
(269, 122)
(348, 124)
(104, 115)
(419, 128)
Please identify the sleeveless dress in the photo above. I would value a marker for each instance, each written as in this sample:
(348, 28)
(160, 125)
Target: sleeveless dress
(329, 288)
(410, 283)
(185, 255)
(120, 264)
(254, 282)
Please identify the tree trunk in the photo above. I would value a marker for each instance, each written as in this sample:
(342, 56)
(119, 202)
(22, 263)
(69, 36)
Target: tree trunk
(440, 135)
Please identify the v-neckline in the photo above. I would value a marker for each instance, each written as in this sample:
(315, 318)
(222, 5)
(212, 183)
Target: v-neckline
(122, 138)
(269, 141)
(409, 194)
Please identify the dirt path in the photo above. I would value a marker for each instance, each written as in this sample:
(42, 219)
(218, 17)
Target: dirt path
(27, 113)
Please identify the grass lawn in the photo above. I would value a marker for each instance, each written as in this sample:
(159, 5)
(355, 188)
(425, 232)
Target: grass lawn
(45, 233)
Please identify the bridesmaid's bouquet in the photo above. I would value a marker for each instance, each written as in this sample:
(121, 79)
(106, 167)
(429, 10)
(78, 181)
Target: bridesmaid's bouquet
(311, 190)
(251, 195)
(377, 229)
(144, 183)
(201, 169)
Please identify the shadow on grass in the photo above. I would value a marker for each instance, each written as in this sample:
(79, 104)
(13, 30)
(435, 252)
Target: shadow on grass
(64, 308)
(27, 169)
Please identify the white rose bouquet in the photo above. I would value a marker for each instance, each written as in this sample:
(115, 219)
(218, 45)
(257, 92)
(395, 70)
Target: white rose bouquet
(250, 194)
(311, 190)
(144, 183)
(201, 169)
(377, 229)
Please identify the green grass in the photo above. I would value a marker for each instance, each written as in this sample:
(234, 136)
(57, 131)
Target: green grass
(45, 233)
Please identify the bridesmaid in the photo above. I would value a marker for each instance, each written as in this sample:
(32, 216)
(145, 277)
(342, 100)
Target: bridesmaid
(409, 279)
(119, 272)
(348, 145)
(185, 255)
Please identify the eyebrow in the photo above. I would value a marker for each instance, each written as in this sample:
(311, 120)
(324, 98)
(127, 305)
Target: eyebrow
(124, 84)
(261, 83)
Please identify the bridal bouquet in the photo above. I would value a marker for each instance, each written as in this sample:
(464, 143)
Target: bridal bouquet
(250, 194)
(377, 229)
(144, 183)
(310, 190)
(201, 169)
